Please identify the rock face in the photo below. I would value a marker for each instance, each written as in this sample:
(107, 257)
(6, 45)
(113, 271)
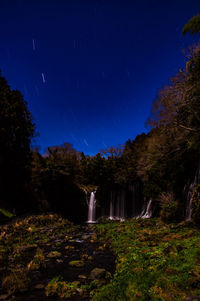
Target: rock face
(97, 274)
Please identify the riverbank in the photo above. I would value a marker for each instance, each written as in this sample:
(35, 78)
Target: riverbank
(46, 257)
(155, 261)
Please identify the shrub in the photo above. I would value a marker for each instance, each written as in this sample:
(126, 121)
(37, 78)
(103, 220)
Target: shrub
(15, 282)
(169, 207)
(58, 287)
(196, 204)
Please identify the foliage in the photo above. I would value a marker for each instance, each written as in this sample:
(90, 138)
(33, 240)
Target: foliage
(169, 207)
(38, 261)
(193, 26)
(6, 213)
(196, 205)
(16, 131)
(155, 261)
(58, 287)
(16, 281)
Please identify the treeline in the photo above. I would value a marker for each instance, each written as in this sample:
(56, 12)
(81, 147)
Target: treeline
(164, 161)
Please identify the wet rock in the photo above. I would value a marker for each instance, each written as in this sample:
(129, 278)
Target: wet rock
(80, 291)
(54, 254)
(4, 297)
(33, 265)
(85, 237)
(28, 248)
(79, 241)
(98, 273)
(69, 247)
(39, 286)
(76, 263)
(82, 277)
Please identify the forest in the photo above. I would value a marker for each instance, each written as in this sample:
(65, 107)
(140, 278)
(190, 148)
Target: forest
(162, 166)
(163, 162)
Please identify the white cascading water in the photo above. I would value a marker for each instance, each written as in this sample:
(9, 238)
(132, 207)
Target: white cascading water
(92, 208)
(148, 212)
(111, 217)
(188, 216)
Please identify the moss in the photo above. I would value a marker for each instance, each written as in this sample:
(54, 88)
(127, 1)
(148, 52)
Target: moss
(6, 213)
(58, 287)
(76, 263)
(196, 205)
(169, 208)
(16, 281)
(38, 261)
(155, 261)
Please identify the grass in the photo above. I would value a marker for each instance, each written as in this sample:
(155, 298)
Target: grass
(20, 251)
(155, 261)
(6, 213)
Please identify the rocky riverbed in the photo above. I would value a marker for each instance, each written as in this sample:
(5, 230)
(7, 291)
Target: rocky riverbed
(46, 257)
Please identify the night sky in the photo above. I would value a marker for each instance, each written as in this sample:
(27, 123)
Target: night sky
(90, 69)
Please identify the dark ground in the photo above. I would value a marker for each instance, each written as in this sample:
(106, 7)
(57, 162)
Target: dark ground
(84, 241)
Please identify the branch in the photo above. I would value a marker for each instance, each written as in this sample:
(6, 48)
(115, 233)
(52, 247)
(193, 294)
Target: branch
(187, 128)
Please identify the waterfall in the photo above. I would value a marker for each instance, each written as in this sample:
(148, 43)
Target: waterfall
(111, 216)
(117, 210)
(189, 202)
(188, 215)
(92, 208)
(122, 209)
(148, 212)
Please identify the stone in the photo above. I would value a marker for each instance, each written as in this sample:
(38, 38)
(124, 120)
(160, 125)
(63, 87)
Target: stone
(39, 286)
(82, 277)
(98, 273)
(85, 237)
(54, 254)
(4, 297)
(33, 265)
(28, 248)
(76, 263)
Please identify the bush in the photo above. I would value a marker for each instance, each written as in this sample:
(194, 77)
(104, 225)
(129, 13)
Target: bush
(16, 281)
(169, 208)
(196, 204)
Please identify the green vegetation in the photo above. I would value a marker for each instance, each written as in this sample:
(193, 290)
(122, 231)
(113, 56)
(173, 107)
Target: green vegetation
(6, 213)
(155, 261)
(170, 210)
(60, 288)
(196, 205)
(16, 281)
(193, 26)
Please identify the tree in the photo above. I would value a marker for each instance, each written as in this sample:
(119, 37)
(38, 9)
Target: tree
(16, 131)
(193, 26)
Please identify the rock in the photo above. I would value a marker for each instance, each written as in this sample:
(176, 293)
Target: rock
(39, 286)
(54, 254)
(82, 277)
(79, 241)
(80, 291)
(33, 265)
(97, 274)
(28, 248)
(69, 248)
(76, 263)
(84, 256)
(4, 297)
(85, 237)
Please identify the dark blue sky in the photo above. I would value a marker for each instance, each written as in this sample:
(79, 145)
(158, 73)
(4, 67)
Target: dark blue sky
(90, 69)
